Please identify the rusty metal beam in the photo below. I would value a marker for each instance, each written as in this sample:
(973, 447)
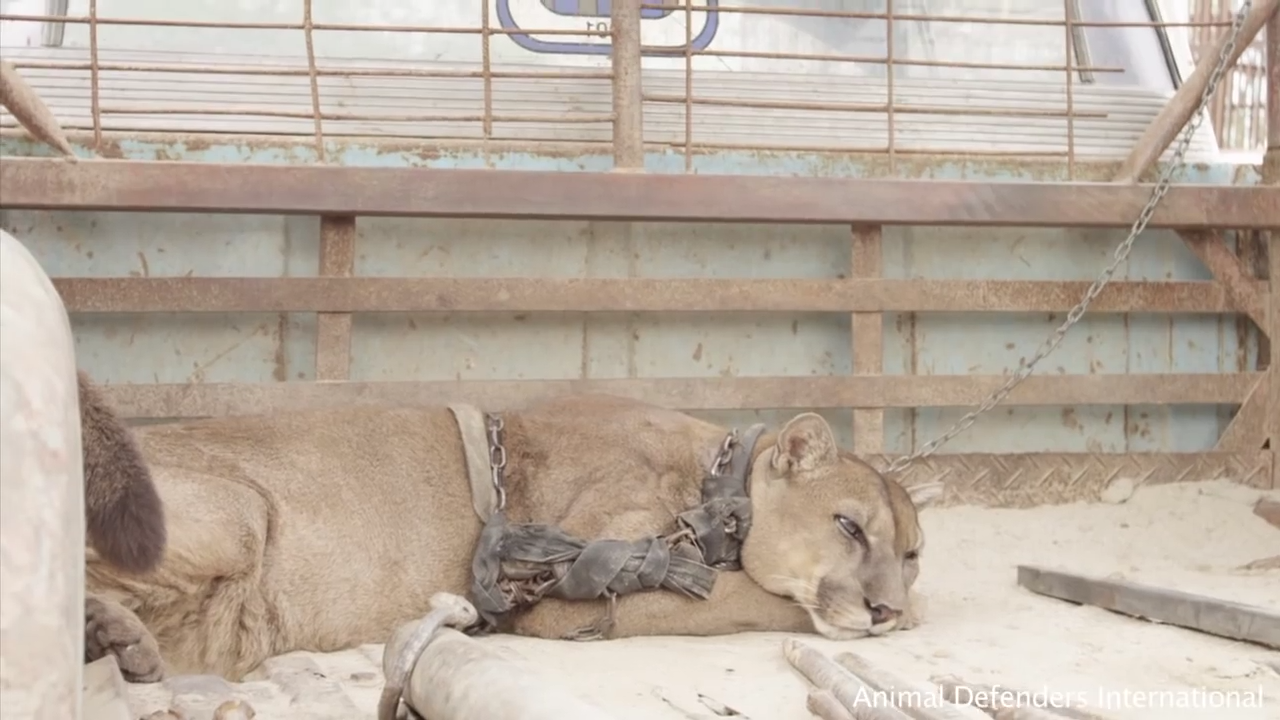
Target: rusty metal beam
(628, 94)
(113, 185)
(867, 330)
(333, 330)
(1248, 429)
(1175, 114)
(365, 294)
(1227, 268)
(1271, 178)
(206, 399)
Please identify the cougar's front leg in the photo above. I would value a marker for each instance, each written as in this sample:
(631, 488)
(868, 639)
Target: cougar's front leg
(737, 604)
(111, 628)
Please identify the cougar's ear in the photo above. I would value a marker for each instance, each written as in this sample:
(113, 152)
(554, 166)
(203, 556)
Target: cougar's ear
(926, 494)
(806, 443)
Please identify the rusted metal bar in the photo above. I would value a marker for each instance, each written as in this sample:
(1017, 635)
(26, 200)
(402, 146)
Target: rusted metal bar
(868, 338)
(1271, 177)
(726, 10)
(333, 330)
(111, 185)
(95, 78)
(1069, 54)
(1248, 429)
(447, 294)
(628, 106)
(314, 78)
(1227, 269)
(1166, 126)
(199, 399)
(1273, 93)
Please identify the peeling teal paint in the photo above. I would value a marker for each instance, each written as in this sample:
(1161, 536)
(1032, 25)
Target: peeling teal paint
(803, 164)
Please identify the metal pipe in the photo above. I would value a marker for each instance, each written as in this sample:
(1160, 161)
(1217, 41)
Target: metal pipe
(628, 120)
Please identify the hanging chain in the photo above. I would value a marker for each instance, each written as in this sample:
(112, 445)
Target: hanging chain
(497, 459)
(1121, 254)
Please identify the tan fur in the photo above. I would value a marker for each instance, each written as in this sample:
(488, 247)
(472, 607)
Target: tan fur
(321, 530)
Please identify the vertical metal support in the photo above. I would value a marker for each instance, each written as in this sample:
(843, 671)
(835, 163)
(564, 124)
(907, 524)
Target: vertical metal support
(333, 330)
(1069, 47)
(868, 338)
(891, 101)
(95, 93)
(628, 154)
(1271, 176)
(628, 121)
(313, 72)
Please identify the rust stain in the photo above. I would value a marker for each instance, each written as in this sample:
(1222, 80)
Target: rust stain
(146, 269)
(697, 353)
(280, 369)
(1069, 419)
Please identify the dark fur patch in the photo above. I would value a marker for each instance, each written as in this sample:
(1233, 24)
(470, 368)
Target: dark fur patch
(125, 517)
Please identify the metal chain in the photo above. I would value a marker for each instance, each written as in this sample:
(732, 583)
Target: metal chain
(497, 459)
(1120, 255)
(725, 455)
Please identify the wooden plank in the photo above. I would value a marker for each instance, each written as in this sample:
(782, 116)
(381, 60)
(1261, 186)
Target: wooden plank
(1228, 269)
(868, 337)
(201, 399)
(1236, 621)
(367, 294)
(1248, 429)
(130, 185)
(333, 330)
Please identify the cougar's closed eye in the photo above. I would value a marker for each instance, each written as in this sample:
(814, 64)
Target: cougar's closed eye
(850, 528)
(912, 555)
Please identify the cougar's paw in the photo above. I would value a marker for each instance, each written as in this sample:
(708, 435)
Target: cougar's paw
(112, 629)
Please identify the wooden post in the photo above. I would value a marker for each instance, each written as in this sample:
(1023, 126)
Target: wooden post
(868, 338)
(333, 330)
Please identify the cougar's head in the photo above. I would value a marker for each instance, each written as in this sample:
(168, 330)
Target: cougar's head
(831, 533)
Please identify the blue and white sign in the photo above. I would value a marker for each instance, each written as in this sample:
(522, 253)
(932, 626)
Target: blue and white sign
(662, 29)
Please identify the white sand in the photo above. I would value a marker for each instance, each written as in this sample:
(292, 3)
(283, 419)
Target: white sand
(979, 624)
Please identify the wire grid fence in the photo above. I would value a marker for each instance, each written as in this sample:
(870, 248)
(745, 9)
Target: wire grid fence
(992, 78)
(1238, 110)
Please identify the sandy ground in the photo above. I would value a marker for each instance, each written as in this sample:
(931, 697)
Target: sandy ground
(979, 625)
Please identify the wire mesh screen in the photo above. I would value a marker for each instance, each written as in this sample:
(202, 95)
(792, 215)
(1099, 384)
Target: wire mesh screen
(1070, 79)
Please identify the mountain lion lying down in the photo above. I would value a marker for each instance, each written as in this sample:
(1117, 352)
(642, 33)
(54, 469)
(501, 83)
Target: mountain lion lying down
(321, 530)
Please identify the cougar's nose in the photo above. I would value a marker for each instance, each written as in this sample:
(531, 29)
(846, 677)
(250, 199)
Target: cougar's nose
(881, 614)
